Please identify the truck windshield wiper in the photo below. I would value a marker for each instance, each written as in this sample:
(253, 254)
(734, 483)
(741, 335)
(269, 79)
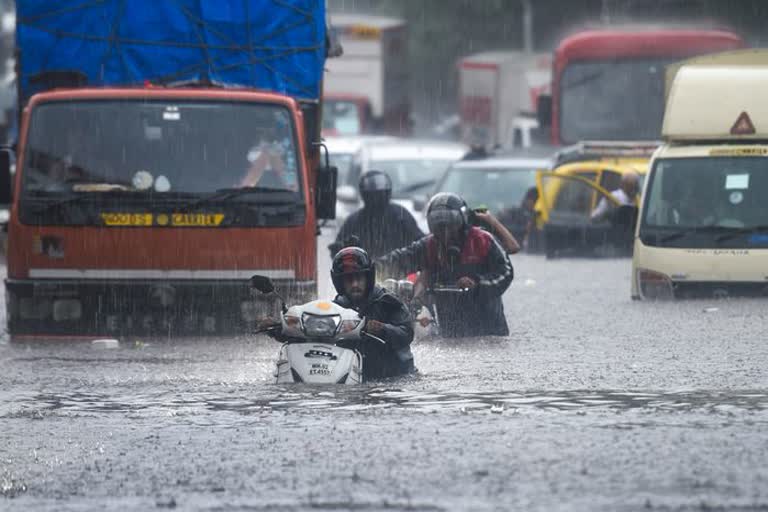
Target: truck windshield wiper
(734, 232)
(224, 194)
(70, 199)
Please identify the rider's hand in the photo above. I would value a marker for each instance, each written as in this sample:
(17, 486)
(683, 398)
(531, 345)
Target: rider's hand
(267, 323)
(483, 216)
(374, 327)
(466, 282)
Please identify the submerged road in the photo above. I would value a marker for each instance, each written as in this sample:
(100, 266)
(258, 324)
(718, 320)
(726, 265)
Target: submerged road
(594, 402)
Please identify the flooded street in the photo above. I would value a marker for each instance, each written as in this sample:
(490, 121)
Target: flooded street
(593, 403)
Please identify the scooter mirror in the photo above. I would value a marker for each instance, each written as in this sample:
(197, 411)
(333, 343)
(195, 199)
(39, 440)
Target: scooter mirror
(262, 283)
(405, 290)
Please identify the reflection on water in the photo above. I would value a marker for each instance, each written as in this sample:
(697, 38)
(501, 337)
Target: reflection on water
(298, 398)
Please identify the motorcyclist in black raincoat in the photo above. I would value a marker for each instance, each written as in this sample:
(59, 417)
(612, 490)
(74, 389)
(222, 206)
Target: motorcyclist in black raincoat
(458, 254)
(380, 226)
(353, 273)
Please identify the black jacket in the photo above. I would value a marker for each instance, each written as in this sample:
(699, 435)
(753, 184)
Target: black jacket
(379, 230)
(393, 358)
(477, 313)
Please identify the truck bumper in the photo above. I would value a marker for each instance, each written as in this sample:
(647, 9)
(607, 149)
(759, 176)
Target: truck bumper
(46, 308)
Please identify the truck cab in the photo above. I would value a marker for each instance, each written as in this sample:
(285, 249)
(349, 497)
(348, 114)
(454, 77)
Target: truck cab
(703, 228)
(143, 207)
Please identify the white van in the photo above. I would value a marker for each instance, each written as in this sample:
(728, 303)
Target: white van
(703, 222)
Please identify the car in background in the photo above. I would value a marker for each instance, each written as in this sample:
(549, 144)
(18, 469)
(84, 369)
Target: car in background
(499, 184)
(344, 153)
(568, 196)
(414, 166)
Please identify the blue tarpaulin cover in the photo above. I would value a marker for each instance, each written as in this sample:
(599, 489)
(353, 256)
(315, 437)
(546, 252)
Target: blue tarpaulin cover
(273, 45)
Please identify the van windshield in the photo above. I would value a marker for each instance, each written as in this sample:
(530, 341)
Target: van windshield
(706, 202)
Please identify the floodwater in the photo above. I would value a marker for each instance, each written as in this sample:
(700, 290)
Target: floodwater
(594, 402)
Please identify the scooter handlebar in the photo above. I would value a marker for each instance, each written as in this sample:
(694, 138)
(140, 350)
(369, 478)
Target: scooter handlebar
(449, 289)
(375, 338)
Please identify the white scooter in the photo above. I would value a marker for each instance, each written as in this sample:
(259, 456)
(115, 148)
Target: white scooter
(320, 339)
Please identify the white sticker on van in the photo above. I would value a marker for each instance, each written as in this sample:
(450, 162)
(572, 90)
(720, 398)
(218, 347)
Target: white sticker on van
(736, 181)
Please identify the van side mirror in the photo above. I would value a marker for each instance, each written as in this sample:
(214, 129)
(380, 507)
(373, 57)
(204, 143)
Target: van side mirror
(544, 110)
(5, 177)
(325, 200)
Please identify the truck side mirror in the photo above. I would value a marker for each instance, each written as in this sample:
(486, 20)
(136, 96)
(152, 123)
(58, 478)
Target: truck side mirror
(544, 110)
(326, 192)
(262, 283)
(5, 177)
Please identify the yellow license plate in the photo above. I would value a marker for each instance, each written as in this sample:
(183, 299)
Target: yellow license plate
(196, 219)
(126, 219)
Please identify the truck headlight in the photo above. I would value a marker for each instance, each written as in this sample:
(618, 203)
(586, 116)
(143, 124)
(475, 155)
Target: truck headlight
(654, 285)
(33, 308)
(67, 309)
(320, 326)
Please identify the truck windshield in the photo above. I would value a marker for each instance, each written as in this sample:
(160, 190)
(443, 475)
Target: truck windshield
(157, 148)
(86, 160)
(612, 99)
(707, 202)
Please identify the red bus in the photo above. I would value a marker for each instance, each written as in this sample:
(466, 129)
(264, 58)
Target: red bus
(608, 84)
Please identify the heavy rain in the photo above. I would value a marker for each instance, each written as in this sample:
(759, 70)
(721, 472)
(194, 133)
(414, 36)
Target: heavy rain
(561, 205)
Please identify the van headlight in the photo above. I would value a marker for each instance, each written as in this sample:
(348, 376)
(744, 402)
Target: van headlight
(320, 326)
(654, 285)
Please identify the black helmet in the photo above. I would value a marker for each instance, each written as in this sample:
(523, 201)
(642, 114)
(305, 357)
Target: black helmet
(375, 188)
(447, 209)
(352, 260)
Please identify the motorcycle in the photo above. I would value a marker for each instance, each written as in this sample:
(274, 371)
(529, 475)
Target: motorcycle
(320, 341)
(422, 303)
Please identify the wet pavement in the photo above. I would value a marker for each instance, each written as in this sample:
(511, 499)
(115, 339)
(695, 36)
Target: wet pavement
(594, 402)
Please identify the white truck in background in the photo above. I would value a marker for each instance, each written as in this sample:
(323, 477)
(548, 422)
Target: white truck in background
(366, 88)
(498, 92)
(7, 73)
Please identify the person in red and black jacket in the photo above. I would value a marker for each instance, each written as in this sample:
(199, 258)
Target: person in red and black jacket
(457, 254)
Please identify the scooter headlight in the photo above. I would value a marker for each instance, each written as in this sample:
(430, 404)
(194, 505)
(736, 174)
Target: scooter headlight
(320, 326)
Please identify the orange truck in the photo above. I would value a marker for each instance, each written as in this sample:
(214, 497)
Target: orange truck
(166, 153)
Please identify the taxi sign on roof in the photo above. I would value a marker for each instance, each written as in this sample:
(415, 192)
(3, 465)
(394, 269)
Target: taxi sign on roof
(728, 102)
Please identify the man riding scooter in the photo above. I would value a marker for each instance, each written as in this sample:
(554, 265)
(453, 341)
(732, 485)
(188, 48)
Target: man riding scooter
(461, 257)
(354, 276)
(353, 273)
